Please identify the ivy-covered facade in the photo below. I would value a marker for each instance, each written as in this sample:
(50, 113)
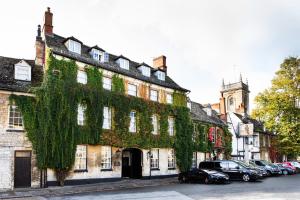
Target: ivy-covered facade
(211, 137)
(98, 116)
(83, 115)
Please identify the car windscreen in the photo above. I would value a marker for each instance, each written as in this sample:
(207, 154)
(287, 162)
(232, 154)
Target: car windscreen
(243, 164)
(206, 165)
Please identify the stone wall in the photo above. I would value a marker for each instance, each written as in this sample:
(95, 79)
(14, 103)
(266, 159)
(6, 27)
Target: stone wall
(11, 141)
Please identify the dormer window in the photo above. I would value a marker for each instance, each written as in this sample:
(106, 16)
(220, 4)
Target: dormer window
(105, 57)
(160, 75)
(74, 46)
(123, 63)
(146, 71)
(97, 55)
(23, 71)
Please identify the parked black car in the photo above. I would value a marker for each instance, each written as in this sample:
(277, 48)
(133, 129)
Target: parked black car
(233, 169)
(203, 175)
(285, 170)
(269, 167)
(261, 172)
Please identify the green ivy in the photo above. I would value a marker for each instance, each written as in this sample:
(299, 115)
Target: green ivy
(118, 84)
(179, 99)
(50, 118)
(202, 143)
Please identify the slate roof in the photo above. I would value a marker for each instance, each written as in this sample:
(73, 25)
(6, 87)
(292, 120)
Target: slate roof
(198, 114)
(258, 126)
(7, 71)
(56, 43)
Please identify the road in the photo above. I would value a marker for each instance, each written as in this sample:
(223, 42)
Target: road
(275, 188)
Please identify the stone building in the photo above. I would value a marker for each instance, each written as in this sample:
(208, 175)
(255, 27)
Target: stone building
(17, 161)
(205, 116)
(250, 140)
(93, 163)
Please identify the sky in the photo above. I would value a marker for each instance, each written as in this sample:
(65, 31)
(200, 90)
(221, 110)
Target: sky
(204, 40)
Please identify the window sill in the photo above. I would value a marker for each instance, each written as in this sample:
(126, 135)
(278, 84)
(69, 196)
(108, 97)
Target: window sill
(173, 168)
(15, 130)
(155, 169)
(106, 170)
(80, 170)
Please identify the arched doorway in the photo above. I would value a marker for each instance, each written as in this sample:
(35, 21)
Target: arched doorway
(132, 163)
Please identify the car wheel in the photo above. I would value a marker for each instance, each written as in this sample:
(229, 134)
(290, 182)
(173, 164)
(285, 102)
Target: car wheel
(246, 177)
(206, 180)
(284, 172)
(184, 179)
(268, 173)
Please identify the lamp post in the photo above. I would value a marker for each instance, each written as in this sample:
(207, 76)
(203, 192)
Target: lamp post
(149, 153)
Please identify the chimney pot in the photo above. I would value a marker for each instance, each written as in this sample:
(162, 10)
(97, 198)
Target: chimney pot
(48, 27)
(160, 63)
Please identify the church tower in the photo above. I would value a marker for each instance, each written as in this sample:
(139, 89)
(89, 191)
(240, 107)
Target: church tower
(235, 97)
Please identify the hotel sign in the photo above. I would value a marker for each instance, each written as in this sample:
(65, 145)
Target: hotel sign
(246, 129)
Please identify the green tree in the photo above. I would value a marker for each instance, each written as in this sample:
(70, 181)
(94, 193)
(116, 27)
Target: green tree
(278, 106)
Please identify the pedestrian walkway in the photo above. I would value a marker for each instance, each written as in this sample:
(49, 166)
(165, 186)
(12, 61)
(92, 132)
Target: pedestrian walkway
(105, 186)
(165, 195)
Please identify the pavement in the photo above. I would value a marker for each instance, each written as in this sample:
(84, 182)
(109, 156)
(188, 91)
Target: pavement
(39, 193)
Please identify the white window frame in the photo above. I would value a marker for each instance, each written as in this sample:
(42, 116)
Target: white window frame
(155, 124)
(255, 140)
(106, 118)
(106, 158)
(161, 75)
(80, 163)
(171, 159)
(169, 98)
(146, 71)
(107, 83)
(132, 90)
(81, 77)
(171, 126)
(154, 95)
(154, 159)
(74, 46)
(132, 124)
(214, 136)
(97, 55)
(22, 72)
(15, 118)
(123, 63)
(105, 57)
(81, 115)
(194, 160)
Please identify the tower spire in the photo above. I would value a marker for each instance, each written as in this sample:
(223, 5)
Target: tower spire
(241, 79)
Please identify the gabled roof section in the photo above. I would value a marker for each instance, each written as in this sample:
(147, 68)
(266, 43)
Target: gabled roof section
(7, 76)
(198, 114)
(258, 126)
(96, 47)
(144, 64)
(56, 43)
(121, 56)
(72, 38)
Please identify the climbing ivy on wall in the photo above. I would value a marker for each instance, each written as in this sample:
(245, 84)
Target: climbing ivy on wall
(50, 118)
(179, 99)
(202, 143)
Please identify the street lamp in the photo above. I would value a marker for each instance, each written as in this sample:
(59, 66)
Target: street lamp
(149, 156)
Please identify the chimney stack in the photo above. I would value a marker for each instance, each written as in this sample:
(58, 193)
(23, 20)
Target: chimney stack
(160, 63)
(48, 27)
(39, 48)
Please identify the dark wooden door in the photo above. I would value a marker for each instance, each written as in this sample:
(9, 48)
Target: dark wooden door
(22, 169)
